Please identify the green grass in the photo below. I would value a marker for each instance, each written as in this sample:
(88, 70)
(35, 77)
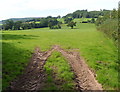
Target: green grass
(82, 19)
(57, 66)
(14, 61)
(78, 20)
(92, 44)
(37, 22)
(61, 20)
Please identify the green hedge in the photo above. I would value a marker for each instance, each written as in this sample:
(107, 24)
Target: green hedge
(110, 28)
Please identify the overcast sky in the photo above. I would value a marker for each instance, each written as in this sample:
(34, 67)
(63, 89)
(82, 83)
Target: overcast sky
(41, 8)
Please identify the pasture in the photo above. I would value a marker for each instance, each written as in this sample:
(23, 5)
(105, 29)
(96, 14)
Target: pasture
(98, 51)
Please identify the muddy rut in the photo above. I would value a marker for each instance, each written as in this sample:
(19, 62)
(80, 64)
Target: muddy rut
(34, 75)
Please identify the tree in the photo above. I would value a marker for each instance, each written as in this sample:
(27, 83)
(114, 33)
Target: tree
(53, 24)
(8, 24)
(71, 24)
(67, 20)
(109, 25)
(48, 17)
(58, 16)
(92, 20)
(44, 22)
(114, 14)
(26, 26)
(17, 25)
(11, 25)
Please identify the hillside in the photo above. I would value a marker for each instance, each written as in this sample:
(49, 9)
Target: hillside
(87, 14)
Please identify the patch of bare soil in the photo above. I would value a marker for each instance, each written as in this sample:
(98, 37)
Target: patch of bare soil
(34, 76)
(85, 77)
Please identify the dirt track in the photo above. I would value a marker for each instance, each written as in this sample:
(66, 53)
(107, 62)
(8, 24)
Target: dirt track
(34, 75)
(85, 77)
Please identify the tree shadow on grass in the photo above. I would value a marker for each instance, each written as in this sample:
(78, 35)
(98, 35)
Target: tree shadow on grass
(14, 60)
(16, 37)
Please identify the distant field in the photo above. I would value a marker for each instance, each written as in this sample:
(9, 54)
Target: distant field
(78, 20)
(82, 19)
(61, 20)
(98, 51)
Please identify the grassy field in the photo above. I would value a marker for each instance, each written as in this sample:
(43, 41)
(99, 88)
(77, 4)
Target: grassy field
(82, 19)
(98, 51)
(78, 20)
(61, 20)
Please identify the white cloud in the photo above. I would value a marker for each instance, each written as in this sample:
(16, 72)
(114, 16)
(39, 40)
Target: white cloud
(51, 4)
(16, 8)
(68, 4)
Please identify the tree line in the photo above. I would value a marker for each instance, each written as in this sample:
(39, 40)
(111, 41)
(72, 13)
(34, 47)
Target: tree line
(50, 22)
(87, 14)
(53, 23)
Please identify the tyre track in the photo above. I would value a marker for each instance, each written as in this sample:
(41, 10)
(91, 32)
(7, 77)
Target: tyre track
(85, 76)
(34, 75)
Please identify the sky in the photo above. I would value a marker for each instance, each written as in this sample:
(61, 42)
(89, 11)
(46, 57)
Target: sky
(43, 8)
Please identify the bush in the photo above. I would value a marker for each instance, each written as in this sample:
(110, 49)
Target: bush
(109, 24)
